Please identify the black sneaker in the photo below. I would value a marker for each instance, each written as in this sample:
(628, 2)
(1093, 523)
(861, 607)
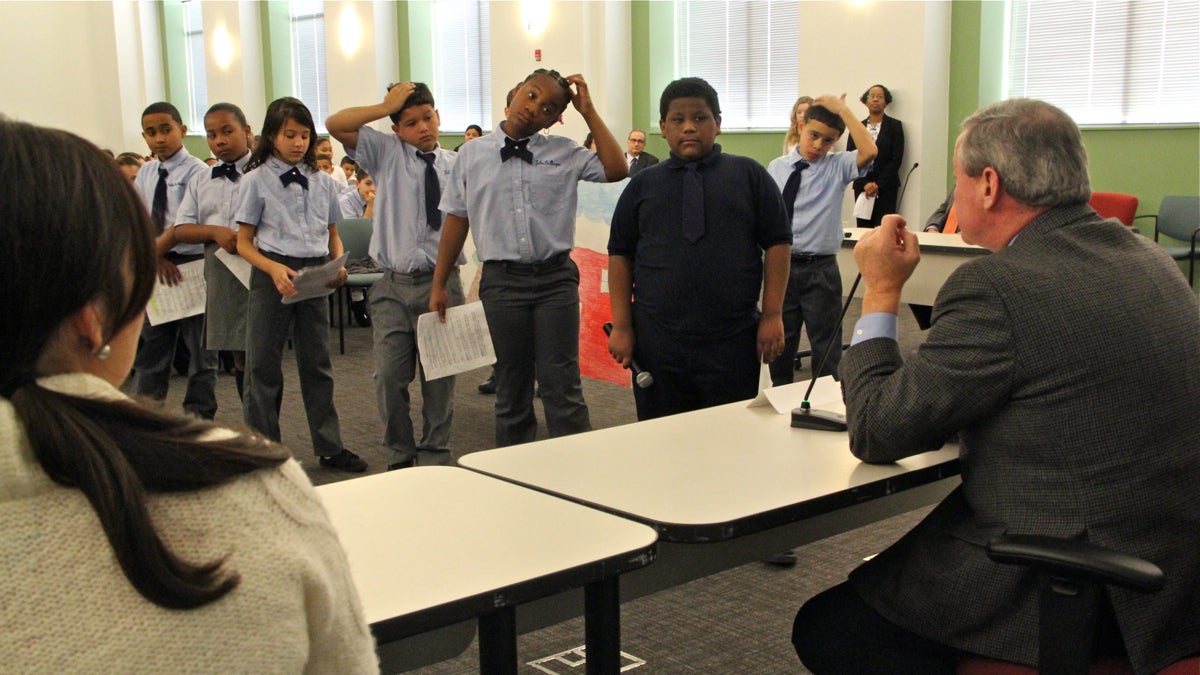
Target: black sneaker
(488, 386)
(344, 461)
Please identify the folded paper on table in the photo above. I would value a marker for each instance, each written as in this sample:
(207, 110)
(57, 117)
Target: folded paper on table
(827, 395)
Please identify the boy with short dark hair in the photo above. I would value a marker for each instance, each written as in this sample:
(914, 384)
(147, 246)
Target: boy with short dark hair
(686, 255)
(360, 201)
(813, 181)
(409, 169)
(517, 188)
(162, 182)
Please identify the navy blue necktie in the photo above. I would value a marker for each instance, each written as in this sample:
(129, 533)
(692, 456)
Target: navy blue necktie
(433, 191)
(693, 203)
(229, 171)
(158, 207)
(294, 176)
(516, 149)
(792, 187)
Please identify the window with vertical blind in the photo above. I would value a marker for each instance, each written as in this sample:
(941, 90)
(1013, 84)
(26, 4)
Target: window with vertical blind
(748, 51)
(308, 57)
(462, 67)
(197, 85)
(1107, 62)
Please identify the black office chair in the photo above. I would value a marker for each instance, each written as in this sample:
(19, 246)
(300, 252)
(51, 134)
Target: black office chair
(1073, 575)
(1178, 217)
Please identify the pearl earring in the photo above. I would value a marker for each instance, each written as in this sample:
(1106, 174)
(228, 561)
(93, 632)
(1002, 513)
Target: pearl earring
(104, 353)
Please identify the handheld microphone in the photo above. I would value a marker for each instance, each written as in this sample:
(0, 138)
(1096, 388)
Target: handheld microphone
(641, 377)
(904, 186)
(805, 417)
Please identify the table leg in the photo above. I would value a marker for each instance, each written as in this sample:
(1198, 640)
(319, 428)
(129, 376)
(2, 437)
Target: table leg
(602, 626)
(498, 642)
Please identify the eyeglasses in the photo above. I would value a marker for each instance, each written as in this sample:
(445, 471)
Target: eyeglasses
(637, 140)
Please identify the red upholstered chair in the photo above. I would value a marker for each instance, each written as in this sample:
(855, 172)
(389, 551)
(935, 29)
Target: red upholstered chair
(1123, 207)
(1073, 575)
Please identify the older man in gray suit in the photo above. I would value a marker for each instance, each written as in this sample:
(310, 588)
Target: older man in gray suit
(1068, 363)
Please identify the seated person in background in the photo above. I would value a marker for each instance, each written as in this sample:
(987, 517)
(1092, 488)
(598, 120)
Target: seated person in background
(325, 147)
(129, 163)
(637, 157)
(1018, 365)
(473, 131)
(349, 167)
(359, 202)
(137, 539)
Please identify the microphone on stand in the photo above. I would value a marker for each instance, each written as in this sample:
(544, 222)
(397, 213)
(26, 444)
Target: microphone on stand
(805, 417)
(641, 377)
(904, 185)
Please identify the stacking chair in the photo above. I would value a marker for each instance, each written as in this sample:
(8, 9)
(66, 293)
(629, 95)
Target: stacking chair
(356, 240)
(1178, 217)
(1123, 207)
(1073, 575)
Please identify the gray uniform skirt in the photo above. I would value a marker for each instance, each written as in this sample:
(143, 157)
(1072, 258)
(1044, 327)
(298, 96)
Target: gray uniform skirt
(225, 311)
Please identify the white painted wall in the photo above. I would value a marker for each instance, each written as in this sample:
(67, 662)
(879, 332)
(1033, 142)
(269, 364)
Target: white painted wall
(241, 82)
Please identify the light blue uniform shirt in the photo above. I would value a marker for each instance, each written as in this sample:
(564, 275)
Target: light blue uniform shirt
(874, 325)
(181, 168)
(817, 219)
(212, 201)
(289, 221)
(520, 212)
(352, 204)
(402, 240)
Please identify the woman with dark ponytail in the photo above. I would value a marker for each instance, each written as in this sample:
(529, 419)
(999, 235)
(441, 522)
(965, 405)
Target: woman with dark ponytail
(117, 516)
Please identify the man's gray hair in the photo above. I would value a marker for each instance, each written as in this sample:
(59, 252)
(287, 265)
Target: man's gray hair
(1034, 147)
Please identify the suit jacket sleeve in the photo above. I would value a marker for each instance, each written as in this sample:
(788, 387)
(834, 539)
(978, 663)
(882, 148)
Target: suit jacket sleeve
(896, 408)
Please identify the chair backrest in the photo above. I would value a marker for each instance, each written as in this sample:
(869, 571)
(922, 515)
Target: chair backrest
(1178, 217)
(951, 225)
(356, 236)
(1123, 207)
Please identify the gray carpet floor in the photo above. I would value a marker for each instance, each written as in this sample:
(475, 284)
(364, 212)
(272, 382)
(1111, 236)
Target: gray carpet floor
(737, 621)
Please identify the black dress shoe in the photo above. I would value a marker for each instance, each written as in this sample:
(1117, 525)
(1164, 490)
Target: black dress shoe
(406, 464)
(785, 559)
(358, 309)
(488, 386)
(344, 461)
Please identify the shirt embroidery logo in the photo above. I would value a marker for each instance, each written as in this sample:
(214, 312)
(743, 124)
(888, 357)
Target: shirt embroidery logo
(545, 162)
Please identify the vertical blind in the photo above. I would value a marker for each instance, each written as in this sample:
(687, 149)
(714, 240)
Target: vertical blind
(197, 85)
(1107, 62)
(748, 51)
(308, 57)
(462, 69)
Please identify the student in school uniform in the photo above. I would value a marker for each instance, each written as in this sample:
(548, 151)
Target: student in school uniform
(287, 215)
(349, 169)
(162, 182)
(518, 188)
(206, 217)
(325, 150)
(359, 202)
(813, 181)
(411, 168)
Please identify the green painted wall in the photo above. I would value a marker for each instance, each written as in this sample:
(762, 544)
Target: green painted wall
(276, 24)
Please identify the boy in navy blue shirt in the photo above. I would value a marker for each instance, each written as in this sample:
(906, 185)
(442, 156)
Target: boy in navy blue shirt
(518, 189)
(686, 264)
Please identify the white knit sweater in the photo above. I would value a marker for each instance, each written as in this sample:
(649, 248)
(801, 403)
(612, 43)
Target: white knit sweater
(66, 607)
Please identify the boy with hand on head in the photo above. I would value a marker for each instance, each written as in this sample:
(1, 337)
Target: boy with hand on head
(410, 168)
(813, 181)
(162, 182)
(206, 217)
(687, 245)
(518, 188)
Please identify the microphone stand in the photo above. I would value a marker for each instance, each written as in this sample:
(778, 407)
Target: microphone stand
(904, 186)
(805, 417)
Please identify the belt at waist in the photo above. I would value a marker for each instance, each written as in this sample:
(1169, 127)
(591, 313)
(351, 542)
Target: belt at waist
(550, 264)
(810, 257)
(180, 258)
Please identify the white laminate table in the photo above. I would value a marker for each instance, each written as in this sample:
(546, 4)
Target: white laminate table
(433, 546)
(724, 473)
(941, 254)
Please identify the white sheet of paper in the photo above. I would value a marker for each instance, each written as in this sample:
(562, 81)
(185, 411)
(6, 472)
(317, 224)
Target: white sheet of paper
(462, 343)
(172, 303)
(313, 282)
(236, 264)
(864, 206)
(827, 395)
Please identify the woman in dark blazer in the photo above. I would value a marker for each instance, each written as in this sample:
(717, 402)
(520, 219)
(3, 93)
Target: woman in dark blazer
(883, 175)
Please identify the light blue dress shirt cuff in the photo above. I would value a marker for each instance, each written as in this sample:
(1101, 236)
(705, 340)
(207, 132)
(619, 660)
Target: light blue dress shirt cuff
(875, 325)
